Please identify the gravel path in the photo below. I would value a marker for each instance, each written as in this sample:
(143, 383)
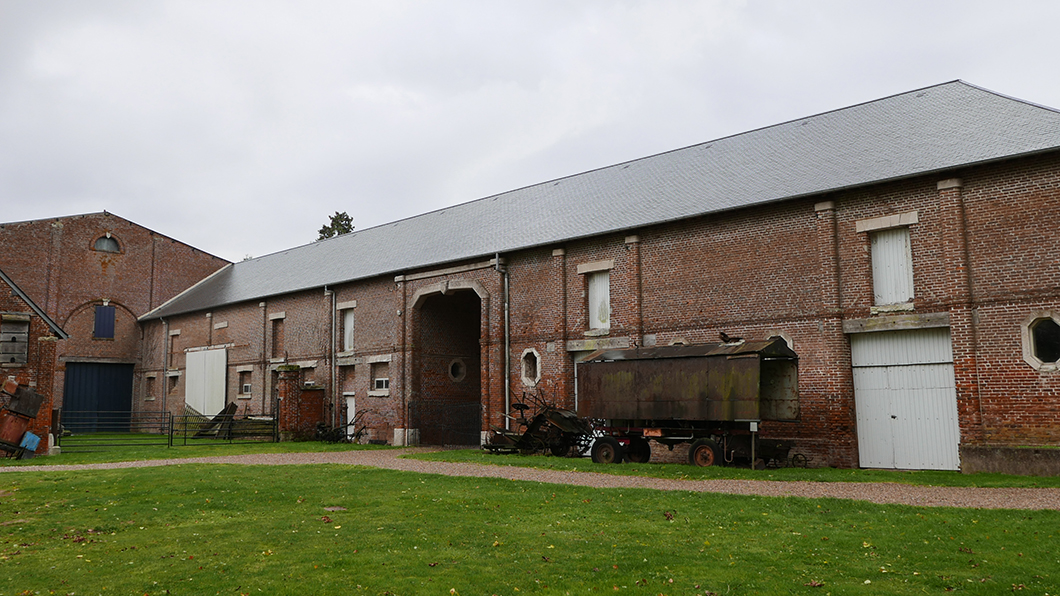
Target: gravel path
(876, 492)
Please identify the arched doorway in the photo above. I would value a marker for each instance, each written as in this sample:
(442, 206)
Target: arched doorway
(447, 364)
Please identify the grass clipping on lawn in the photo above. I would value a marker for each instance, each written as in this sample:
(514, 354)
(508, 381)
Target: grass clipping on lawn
(323, 529)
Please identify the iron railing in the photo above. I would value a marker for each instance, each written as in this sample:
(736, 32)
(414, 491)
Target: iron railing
(194, 430)
(92, 431)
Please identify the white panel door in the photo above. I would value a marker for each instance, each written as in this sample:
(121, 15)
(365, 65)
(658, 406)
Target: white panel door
(906, 400)
(205, 385)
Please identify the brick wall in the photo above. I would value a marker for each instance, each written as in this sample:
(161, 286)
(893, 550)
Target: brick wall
(983, 253)
(54, 261)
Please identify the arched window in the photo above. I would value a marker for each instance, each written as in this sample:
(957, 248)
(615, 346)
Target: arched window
(107, 244)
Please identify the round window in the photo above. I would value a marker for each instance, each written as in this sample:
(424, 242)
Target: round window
(457, 370)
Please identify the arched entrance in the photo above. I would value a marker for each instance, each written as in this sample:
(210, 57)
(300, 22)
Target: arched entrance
(447, 368)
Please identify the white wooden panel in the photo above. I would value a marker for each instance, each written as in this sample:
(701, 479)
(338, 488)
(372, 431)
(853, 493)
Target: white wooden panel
(205, 385)
(892, 266)
(906, 400)
(922, 346)
(351, 414)
(600, 300)
(347, 329)
(872, 397)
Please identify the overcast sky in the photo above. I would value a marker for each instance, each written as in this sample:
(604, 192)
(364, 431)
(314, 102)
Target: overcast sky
(238, 127)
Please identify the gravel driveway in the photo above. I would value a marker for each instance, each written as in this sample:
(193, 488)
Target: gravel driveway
(876, 492)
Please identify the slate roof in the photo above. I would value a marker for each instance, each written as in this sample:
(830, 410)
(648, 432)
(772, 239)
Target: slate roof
(927, 130)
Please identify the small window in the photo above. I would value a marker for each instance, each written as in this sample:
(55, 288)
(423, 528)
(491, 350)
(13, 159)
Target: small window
(104, 323)
(107, 244)
(245, 386)
(531, 362)
(380, 378)
(14, 339)
(599, 299)
(1041, 341)
(892, 267)
(457, 370)
(149, 388)
(1045, 340)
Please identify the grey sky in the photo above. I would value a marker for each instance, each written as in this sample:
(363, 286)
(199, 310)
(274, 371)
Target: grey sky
(238, 127)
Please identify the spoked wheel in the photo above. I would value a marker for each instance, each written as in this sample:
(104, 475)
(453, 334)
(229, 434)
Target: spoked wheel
(639, 451)
(607, 450)
(704, 453)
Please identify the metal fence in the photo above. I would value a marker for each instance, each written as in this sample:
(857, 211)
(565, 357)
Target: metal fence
(93, 431)
(96, 431)
(194, 430)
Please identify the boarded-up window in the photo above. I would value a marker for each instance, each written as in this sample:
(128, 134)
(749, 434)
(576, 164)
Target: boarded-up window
(14, 339)
(599, 300)
(204, 389)
(347, 330)
(104, 324)
(892, 267)
(277, 338)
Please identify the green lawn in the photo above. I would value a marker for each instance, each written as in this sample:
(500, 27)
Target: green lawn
(688, 472)
(200, 449)
(330, 529)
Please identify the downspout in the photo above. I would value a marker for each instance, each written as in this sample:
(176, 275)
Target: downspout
(507, 343)
(165, 364)
(334, 367)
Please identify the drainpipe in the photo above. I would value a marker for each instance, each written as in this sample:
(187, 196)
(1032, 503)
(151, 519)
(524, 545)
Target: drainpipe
(334, 367)
(507, 343)
(164, 388)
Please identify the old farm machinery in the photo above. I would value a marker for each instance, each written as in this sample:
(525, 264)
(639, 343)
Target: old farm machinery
(712, 396)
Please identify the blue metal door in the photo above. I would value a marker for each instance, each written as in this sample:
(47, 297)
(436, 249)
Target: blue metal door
(97, 397)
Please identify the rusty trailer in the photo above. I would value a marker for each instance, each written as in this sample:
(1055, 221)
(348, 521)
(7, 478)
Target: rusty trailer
(710, 395)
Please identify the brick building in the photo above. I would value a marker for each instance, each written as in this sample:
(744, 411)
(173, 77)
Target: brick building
(95, 274)
(28, 341)
(904, 247)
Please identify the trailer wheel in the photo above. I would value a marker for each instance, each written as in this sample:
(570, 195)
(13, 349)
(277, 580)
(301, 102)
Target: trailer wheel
(607, 450)
(704, 453)
(639, 451)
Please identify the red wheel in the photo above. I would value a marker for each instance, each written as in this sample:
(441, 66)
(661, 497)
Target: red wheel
(704, 453)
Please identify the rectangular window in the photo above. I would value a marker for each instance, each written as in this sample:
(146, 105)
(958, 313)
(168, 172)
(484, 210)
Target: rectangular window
(104, 326)
(149, 388)
(245, 386)
(347, 330)
(892, 267)
(380, 377)
(599, 299)
(14, 339)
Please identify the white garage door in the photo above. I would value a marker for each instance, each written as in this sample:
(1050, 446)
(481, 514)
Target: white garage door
(906, 400)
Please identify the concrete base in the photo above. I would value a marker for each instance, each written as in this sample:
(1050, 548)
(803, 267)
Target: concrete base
(405, 437)
(1024, 461)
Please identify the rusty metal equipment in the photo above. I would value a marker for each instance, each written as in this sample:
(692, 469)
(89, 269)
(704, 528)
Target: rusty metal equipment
(544, 427)
(713, 396)
(22, 406)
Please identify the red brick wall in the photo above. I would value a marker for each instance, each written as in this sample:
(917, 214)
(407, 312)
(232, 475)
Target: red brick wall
(54, 262)
(983, 253)
(39, 370)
